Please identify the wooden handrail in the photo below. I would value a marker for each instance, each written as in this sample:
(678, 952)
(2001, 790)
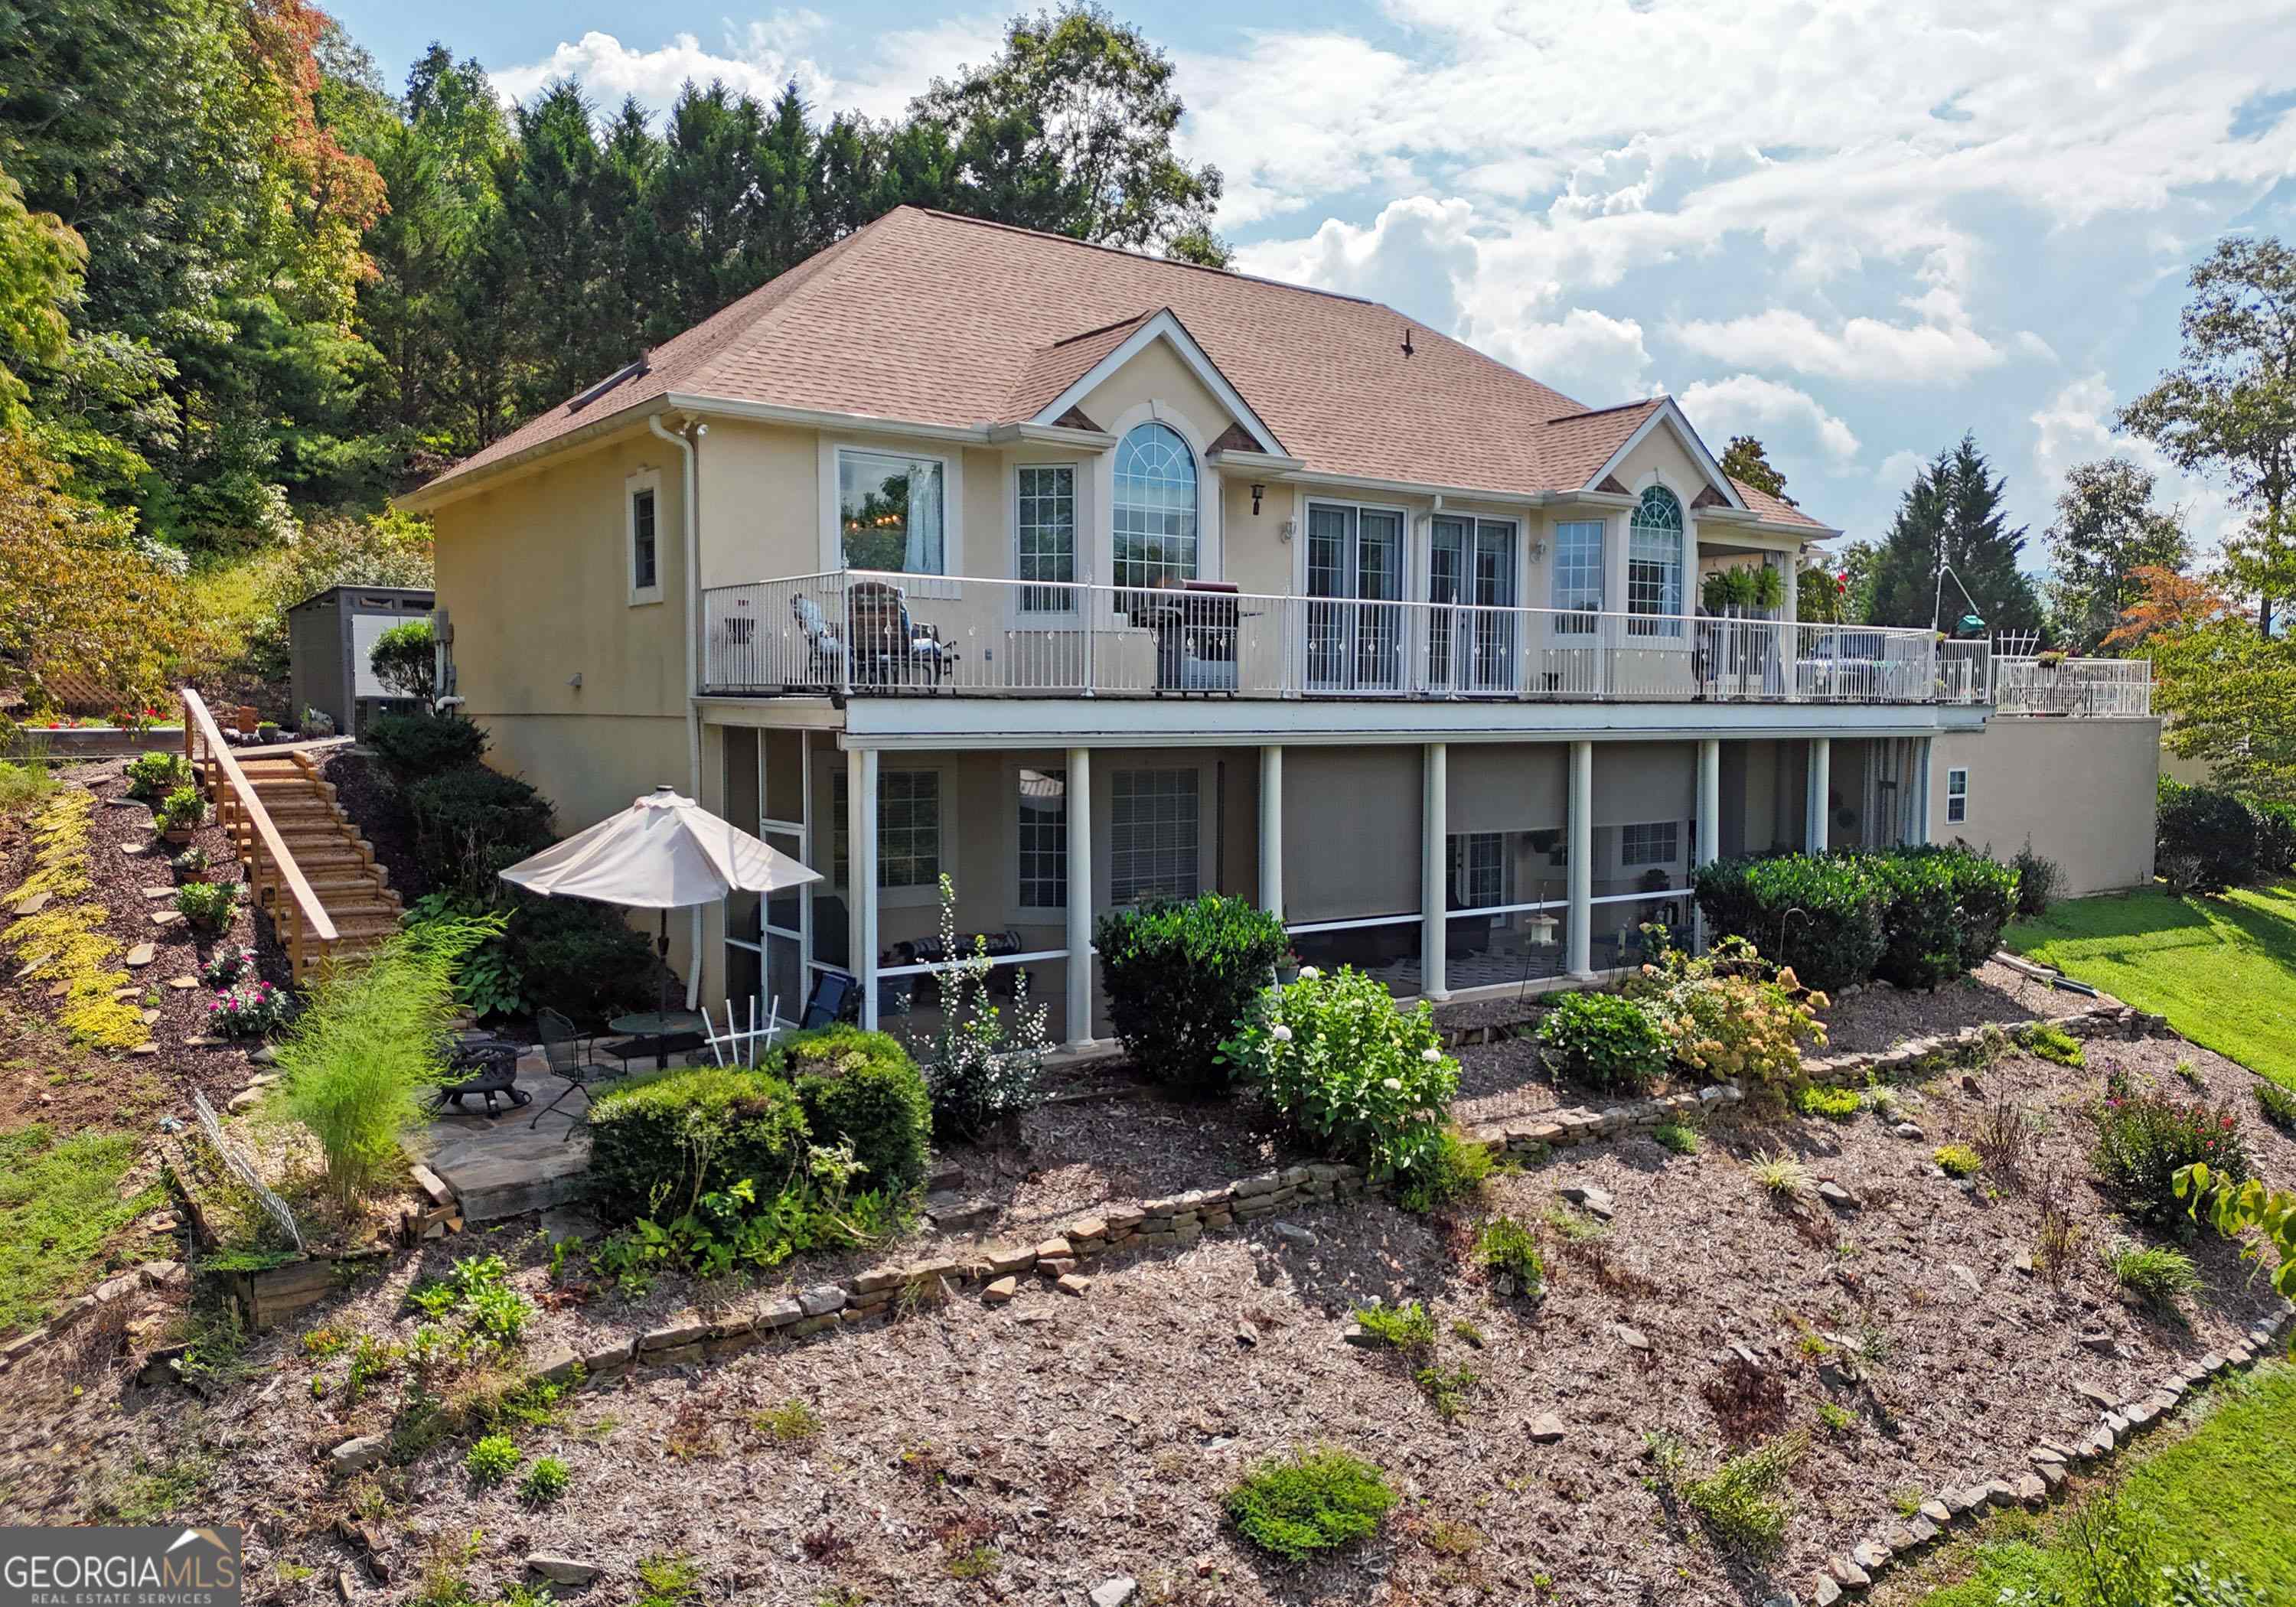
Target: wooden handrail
(310, 916)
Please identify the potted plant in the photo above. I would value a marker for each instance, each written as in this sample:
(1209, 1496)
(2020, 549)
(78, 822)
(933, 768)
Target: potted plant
(191, 865)
(178, 813)
(154, 775)
(206, 905)
(1769, 586)
(1287, 969)
(266, 731)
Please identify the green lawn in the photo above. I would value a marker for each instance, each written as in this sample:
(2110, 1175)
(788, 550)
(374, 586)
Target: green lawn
(2222, 1495)
(59, 1203)
(2223, 971)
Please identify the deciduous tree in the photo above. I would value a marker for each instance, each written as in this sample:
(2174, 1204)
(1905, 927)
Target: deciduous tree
(2106, 530)
(1744, 460)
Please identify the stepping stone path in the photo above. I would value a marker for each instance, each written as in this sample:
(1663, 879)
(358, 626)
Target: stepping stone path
(561, 1570)
(1907, 1130)
(1596, 1199)
(182, 984)
(1115, 1593)
(1834, 1194)
(158, 892)
(140, 955)
(1634, 1338)
(32, 905)
(134, 850)
(1545, 1428)
(168, 917)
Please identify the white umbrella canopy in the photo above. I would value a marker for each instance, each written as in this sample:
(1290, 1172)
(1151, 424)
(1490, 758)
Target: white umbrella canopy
(663, 852)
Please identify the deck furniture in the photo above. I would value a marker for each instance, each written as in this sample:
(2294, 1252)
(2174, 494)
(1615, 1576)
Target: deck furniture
(889, 649)
(572, 1061)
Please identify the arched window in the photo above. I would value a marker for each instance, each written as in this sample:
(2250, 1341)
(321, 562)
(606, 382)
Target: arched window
(1654, 563)
(1155, 507)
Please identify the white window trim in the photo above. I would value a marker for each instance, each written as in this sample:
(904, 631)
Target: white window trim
(1952, 798)
(643, 481)
(952, 498)
(1211, 535)
(1552, 568)
(1056, 619)
(1472, 519)
(898, 897)
(1414, 580)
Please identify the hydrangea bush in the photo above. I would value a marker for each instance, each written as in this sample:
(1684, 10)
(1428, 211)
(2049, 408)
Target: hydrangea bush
(1349, 1068)
(1605, 1040)
(1728, 1013)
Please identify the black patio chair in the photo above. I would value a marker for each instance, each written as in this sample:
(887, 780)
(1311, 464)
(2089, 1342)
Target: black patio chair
(573, 1061)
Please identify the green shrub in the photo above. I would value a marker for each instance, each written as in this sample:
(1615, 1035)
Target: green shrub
(1820, 916)
(1958, 1160)
(2144, 1137)
(412, 746)
(1835, 1104)
(659, 1143)
(491, 1460)
(1677, 1136)
(1455, 1170)
(1295, 1506)
(580, 958)
(2050, 1041)
(1180, 976)
(355, 1063)
(1405, 1327)
(1737, 1501)
(863, 1087)
(2204, 840)
(2155, 1273)
(1605, 1040)
(1508, 1249)
(1350, 1069)
(206, 905)
(471, 822)
(547, 1480)
(2039, 878)
(180, 810)
(191, 865)
(2277, 1104)
(985, 1057)
(404, 659)
(1946, 911)
(791, 1422)
(152, 776)
(2276, 835)
(1783, 1176)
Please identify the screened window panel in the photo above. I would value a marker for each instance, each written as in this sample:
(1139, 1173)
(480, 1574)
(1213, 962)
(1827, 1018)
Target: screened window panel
(908, 829)
(1155, 513)
(1154, 828)
(1044, 839)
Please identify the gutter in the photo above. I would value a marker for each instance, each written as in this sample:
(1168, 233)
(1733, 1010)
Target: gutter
(691, 506)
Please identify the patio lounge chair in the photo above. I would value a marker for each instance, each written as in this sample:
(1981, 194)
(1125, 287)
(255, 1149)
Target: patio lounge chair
(573, 1061)
(889, 649)
(824, 651)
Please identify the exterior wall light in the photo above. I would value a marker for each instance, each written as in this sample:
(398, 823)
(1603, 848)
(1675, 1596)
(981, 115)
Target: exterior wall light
(1257, 491)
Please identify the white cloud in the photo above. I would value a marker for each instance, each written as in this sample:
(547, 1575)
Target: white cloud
(1584, 353)
(1861, 350)
(2075, 426)
(785, 47)
(1747, 404)
(1898, 470)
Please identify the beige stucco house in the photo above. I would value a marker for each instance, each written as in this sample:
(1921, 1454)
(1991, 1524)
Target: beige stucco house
(1082, 577)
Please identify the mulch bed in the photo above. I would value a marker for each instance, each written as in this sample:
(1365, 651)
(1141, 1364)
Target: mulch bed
(368, 797)
(1085, 1438)
(71, 1088)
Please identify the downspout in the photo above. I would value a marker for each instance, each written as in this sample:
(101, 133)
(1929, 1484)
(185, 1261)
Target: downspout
(690, 501)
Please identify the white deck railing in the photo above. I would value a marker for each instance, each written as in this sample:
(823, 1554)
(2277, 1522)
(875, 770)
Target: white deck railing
(2090, 686)
(861, 633)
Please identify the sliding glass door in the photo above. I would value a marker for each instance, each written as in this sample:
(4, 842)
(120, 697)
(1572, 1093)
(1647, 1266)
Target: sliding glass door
(1356, 620)
(1472, 633)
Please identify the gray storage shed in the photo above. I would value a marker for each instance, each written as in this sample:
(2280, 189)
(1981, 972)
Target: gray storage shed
(330, 638)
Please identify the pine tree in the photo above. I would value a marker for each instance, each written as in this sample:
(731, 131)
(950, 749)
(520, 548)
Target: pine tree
(1951, 514)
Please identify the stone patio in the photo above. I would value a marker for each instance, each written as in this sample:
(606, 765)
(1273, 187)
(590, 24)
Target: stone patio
(501, 1165)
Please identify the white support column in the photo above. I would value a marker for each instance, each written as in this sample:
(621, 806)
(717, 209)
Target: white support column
(1578, 950)
(1821, 787)
(1433, 892)
(1791, 563)
(861, 872)
(1708, 847)
(1077, 798)
(1921, 784)
(1271, 830)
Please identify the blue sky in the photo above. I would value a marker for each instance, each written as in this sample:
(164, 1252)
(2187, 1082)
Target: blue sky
(1853, 229)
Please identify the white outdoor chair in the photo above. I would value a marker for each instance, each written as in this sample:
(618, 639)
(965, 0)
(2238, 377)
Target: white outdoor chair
(744, 1045)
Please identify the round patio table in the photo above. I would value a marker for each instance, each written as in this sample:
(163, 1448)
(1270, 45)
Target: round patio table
(659, 1025)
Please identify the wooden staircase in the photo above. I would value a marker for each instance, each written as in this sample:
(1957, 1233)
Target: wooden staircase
(306, 862)
(338, 864)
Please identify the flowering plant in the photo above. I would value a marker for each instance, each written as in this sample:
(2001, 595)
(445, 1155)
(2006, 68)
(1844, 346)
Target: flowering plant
(1728, 1012)
(248, 1009)
(227, 964)
(2144, 1137)
(1349, 1068)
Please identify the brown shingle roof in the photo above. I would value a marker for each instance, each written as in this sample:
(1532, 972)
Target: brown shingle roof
(930, 318)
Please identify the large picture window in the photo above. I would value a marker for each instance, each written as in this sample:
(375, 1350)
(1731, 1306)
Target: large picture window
(1044, 839)
(1155, 517)
(1155, 825)
(908, 829)
(1578, 573)
(1654, 565)
(1044, 533)
(890, 511)
(1655, 843)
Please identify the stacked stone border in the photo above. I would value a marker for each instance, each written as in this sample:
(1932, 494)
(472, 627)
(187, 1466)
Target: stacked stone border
(2048, 1465)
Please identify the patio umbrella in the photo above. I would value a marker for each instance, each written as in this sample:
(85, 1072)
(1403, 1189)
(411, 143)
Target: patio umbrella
(664, 852)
